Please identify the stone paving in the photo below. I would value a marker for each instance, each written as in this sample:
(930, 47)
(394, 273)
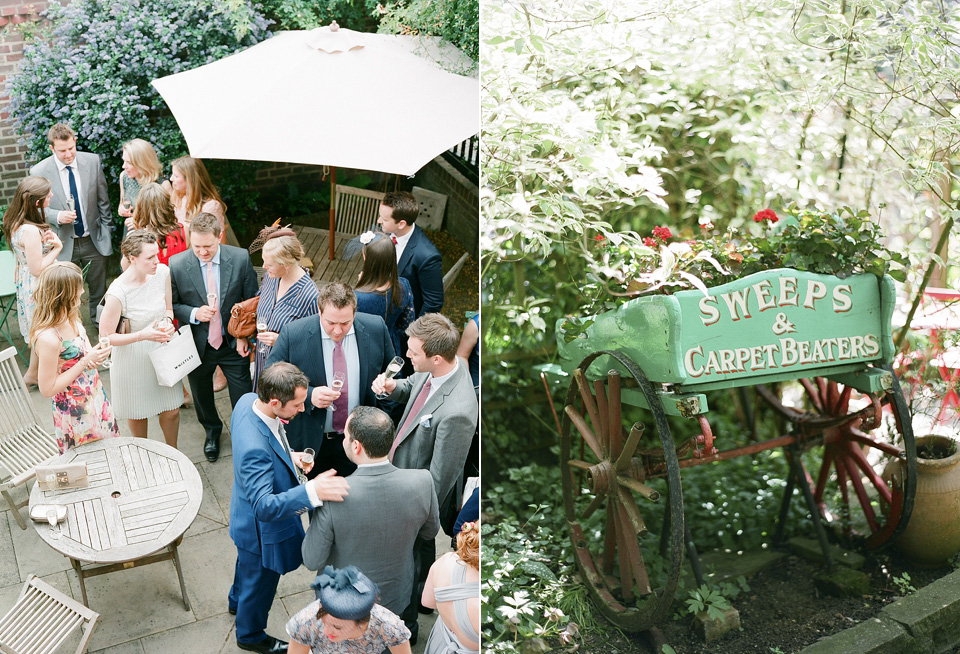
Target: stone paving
(141, 609)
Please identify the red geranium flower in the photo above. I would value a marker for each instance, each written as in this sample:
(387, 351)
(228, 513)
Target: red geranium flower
(765, 214)
(599, 238)
(649, 242)
(662, 233)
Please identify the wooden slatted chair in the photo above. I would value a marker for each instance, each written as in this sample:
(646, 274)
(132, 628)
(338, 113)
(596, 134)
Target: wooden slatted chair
(24, 444)
(355, 209)
(8, 297)
(42, 619)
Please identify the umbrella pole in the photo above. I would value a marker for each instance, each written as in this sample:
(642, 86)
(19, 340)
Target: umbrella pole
(333, 196)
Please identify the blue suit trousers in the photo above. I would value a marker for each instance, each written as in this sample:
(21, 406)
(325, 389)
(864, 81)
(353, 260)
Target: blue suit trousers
(251, 595)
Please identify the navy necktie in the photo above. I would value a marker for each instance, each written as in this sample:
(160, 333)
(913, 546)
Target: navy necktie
(78, 225)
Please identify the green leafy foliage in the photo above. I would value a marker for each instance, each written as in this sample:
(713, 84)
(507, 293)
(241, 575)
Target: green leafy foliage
(92, 70)
(456, 21)
(359, 15)
(710, 601)
(903, 585)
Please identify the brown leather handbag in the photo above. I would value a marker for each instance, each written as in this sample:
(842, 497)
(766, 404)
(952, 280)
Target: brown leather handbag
(243, 318)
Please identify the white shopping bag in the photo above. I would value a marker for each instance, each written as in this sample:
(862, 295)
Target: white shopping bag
(176, 358)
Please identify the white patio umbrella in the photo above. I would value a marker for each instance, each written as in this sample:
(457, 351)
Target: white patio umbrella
(326, 96)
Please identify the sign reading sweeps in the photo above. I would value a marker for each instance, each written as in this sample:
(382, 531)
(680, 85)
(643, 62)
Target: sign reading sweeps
(781, 322)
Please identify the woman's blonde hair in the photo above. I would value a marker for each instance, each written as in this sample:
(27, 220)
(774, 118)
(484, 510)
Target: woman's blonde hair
(154, 211)
(285, 249)
(26, 205)
(200, 188)
(57, 297)
(468, 544)
(144, 158)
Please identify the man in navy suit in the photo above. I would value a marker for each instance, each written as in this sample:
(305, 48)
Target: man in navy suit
(267, 500)
(361, 343)
(85, 230)
(226, 271)
(417, 258)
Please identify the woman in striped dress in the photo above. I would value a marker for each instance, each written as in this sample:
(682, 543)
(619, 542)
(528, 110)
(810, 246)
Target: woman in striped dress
(287, 292)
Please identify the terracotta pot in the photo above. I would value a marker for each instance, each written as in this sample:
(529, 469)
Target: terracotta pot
(933, 534)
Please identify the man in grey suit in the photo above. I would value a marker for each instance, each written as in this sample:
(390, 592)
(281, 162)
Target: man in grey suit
(375, 527)
(85, 229)
(440, 417)
(208, 279)
(341, 340)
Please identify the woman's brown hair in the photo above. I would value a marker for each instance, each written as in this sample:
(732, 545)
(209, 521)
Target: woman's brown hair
(200, 188)
(27, 206)
(379, 268)
(154, 211)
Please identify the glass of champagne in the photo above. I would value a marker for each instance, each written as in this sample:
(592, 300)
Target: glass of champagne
(128, 207)
(71, 204)
(307, 457)
(261, 327)
(104, 343)
(395, 366)
(212, 300)
(336, 385)
(52, 519)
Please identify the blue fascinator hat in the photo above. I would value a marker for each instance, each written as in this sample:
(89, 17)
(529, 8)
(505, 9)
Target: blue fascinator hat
(347, 593)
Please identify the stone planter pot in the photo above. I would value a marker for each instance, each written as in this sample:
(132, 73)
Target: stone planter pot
(932, 536)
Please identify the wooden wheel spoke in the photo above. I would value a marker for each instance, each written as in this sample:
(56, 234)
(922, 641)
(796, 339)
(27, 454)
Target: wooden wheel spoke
(616, 421)
(861, 461)
(813, 393)
(626, 570)
(609, 540)
(603, 414)
(636, 433)
(585, 432)
(577, 464)
(824, 474)
(861, 493)
(842, 401)
(864, 439)
(632, 512)
(634, 559)
(593, 506)
(590, 406)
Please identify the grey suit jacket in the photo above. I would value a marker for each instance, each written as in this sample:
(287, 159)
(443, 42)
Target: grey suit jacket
(375, 527)
(96, 203)
(238, 282)
(440, 439)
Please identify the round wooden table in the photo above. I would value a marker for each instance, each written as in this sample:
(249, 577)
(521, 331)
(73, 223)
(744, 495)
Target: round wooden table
(141, 498)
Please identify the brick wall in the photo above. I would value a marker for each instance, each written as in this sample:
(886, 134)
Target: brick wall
(462, 218)
(13, 163)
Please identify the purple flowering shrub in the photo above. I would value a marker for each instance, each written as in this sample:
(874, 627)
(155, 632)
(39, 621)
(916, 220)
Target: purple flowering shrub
(92, 70)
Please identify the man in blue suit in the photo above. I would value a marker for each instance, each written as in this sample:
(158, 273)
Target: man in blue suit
(417, 258)
(267, 500)
(339, 339)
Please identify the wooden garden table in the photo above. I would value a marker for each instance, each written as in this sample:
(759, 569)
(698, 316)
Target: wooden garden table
(142, 497)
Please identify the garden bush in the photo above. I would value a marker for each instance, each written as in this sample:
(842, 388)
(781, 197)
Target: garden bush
(92, 65)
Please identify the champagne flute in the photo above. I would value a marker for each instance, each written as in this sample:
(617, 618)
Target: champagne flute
(71, 204)
(394, 367)
(104, 343)
(337, 384)
(128, 207)
(212, 300)
(52, 519)
(261, 327)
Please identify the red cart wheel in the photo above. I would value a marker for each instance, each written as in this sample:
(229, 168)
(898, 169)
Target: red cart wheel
(605, 497)
(865, 474)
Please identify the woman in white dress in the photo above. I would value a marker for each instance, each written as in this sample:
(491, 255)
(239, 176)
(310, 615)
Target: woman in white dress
(142, 295)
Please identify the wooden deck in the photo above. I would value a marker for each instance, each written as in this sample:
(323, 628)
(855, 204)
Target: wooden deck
(316, 245)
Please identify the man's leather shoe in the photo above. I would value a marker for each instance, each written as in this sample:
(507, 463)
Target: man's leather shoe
(211, 448)
(268, 645)
(231, 610)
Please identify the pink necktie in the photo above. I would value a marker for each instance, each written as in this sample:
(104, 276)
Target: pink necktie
(411, 417)
(393, 238)
(342, 403)
(215, 337)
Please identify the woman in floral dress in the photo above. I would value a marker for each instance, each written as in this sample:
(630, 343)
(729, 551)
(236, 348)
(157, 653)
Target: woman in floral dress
(35, 246)
(346, 618)
(67, 362)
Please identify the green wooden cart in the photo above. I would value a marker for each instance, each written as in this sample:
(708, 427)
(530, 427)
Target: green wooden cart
(663, 353)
